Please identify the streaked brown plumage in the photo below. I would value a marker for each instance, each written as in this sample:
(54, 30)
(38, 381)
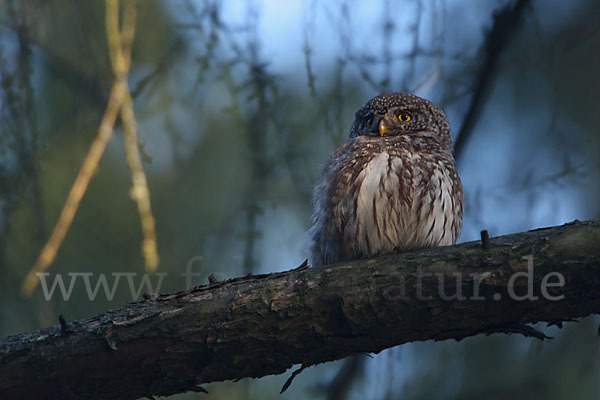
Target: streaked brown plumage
(391, 187)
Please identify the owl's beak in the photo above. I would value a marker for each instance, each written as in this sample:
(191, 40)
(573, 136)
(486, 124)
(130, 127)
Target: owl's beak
(383, 128)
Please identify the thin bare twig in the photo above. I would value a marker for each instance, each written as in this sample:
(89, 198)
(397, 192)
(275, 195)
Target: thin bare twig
(119, 101)
(77, 191)
(120, 56)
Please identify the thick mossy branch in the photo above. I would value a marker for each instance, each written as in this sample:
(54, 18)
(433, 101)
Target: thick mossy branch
(261, 325)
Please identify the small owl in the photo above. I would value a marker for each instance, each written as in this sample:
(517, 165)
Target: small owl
(391, 187)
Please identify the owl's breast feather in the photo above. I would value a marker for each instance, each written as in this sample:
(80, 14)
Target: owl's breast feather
(382, 205)
(377, 196)
(403, 201)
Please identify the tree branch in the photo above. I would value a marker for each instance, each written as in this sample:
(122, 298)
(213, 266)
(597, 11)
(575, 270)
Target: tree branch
(506, 23)
(264, 324)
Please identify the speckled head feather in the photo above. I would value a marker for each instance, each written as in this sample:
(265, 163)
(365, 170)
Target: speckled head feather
(428, 120)
(394, 99)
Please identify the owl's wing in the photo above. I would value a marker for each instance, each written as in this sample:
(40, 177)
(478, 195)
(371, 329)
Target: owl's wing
(328, 216)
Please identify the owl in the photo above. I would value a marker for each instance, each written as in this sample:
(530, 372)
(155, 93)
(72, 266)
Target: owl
(392, 187)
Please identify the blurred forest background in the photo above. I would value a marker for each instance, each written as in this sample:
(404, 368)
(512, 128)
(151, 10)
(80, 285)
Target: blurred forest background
(240, 102)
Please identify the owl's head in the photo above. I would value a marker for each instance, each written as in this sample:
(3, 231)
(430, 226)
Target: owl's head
(394, 114)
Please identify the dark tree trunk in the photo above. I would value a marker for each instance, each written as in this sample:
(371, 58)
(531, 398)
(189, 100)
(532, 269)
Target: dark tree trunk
(261, 325)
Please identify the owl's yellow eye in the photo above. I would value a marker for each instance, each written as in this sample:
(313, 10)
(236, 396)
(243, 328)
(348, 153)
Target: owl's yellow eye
(404, 117)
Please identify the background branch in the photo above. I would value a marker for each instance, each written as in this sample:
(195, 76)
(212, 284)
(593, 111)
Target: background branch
(506, 23)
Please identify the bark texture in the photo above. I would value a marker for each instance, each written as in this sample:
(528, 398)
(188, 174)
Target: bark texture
(261, 325)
